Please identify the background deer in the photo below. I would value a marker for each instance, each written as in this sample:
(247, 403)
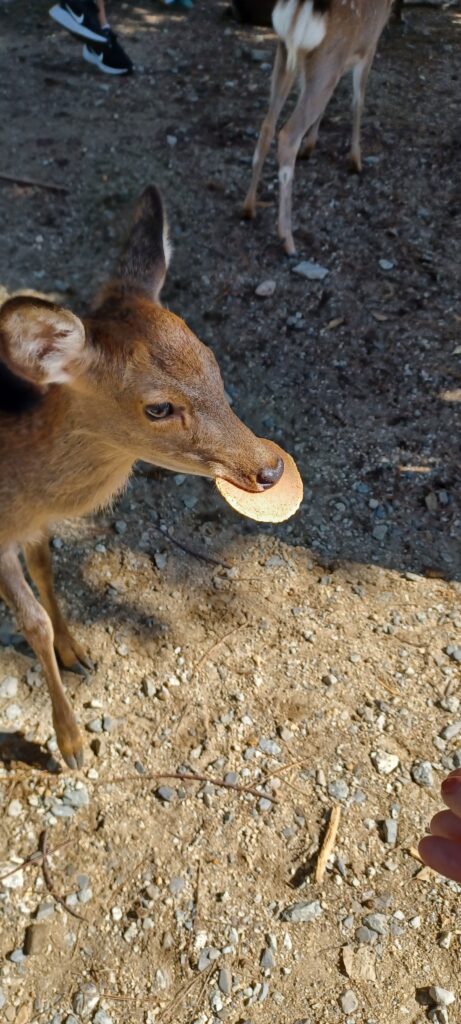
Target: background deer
(319, 40)
(80, 401)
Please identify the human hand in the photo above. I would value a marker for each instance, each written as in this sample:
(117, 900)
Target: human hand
(441, 850)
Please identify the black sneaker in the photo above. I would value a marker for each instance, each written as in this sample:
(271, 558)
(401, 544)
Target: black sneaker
(79, 17)
(109, 57)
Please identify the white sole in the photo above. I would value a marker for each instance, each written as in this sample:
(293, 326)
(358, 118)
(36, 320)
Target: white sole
(65, 19)
(95, 58)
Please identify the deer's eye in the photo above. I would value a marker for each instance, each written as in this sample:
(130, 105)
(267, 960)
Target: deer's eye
(160, 411)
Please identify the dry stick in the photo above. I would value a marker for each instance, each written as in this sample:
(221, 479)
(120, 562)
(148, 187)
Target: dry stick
(34, 859)
(246, 625)
(43, 848)
(189, 777)
(191, 551)
(182, 993)
(50, 186)
(328, 843)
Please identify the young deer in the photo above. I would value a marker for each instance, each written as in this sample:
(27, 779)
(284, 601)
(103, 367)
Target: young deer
(319, 40)
(80, 401)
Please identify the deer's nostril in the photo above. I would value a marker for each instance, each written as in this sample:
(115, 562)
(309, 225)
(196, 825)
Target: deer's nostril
(268, 477)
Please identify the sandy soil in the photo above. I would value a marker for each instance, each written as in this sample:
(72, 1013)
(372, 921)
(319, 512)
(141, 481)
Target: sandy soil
(309, 648)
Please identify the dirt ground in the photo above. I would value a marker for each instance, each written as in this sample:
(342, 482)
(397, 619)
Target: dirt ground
(302, 651)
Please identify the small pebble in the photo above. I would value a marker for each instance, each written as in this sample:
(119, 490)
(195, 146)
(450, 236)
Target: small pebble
(269, 747)
(365, 936)
(165, 793)
(310, 270)
(384, 763)
(453, 652)
(338, 789)
(349, 1002)
(441, 996)
(302, 912)
(14, 809)
(264, 804)
(101, 1017)
(377, 922)
(267, 960)
(177, 885)
(225, 981)
(9, 687)
(389, 831)
(85, 1000)
(421, 773)
(450, 731)
(265, 289)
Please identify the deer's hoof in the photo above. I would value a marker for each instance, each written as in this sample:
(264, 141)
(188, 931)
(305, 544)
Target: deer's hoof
(71, 747)
(354, 163)
(289, 246)
(249, 209)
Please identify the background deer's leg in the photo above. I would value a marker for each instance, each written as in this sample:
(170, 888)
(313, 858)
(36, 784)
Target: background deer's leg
(35, 624)
(317, 90)
(282, 81)
(70, 652)
(359, 80)
(310, 141)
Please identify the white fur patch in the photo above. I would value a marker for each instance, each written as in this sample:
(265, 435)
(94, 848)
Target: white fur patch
(299, 27)
(285, 175)
(167, 246)
(44, 344)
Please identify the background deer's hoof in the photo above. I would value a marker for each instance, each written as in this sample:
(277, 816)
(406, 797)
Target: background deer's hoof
(249, 209)
(354, 163)
(289, 246)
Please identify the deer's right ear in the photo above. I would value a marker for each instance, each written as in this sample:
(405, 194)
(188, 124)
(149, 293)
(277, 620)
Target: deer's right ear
(146, 255)
(41, 342)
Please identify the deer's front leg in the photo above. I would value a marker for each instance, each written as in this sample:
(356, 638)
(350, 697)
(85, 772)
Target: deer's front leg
(70, 653)
(36, 626)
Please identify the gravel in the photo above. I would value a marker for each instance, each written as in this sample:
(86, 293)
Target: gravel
(302, 912)
(422, 774)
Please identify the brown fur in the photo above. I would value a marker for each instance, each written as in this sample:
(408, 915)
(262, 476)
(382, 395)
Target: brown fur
(71, 447)
(352, 32)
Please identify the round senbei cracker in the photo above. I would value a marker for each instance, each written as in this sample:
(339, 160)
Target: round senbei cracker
(274, 505)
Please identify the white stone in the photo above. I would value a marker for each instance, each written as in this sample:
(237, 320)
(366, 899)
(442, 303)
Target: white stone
(384, 762)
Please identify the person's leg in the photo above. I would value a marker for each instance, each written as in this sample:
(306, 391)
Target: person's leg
(102, 13)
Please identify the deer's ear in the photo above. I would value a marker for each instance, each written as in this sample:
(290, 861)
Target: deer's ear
(146, 255)
(42, 342)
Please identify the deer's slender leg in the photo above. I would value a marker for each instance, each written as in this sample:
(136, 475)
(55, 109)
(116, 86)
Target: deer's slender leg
(36, 626)
(310, 141)
(282, 81)
(309, 109)
(70, 652)
(359, 80)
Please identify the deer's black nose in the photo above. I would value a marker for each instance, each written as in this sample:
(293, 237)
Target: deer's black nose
(268, 477)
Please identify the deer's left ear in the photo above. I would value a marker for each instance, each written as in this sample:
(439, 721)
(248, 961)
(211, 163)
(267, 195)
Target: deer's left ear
(146, 255)
(41, 342)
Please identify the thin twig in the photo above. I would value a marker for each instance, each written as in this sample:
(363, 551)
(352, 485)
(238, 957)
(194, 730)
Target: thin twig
(43, 848)
(196, 921)
(34, 859)
(206, 655)
(33, 183)
(328, 843)
(182, 993)
(191, 551)
(188, 777)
